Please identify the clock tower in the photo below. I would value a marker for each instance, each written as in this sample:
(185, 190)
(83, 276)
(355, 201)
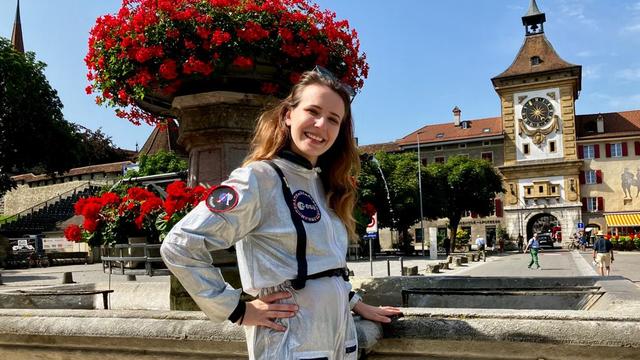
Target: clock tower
(541, 167)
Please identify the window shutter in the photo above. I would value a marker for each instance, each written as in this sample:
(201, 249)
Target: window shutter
(608, 150)
(582, 178)
(599, 176)
(625, 151)
(600, 204)
(596, 151)
(581, 150)
(584, 204)
(498, 208)
(637, 146)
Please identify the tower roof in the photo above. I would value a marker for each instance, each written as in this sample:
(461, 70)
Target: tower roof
(16, 35)
(164, 137)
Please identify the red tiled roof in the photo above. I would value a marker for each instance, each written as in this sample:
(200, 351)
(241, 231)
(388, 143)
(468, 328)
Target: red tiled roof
(163, 138)
(92, 169)
(450, 132)
(374, 148)
(616, 124)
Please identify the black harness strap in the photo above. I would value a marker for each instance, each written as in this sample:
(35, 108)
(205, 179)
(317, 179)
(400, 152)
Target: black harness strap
(301, 246)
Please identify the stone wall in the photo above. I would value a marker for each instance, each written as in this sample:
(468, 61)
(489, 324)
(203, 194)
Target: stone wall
(24, 197)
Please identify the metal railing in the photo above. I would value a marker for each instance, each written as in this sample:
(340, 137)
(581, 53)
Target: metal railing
(127, 258)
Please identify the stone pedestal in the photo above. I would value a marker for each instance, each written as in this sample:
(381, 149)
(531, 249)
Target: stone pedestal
(215, 128)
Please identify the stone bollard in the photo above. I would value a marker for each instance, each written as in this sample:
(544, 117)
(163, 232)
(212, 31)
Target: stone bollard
(410, 271)
(131, 278)
(458, 261)
(433, 269)
(67, 278)
(444, 265)
(464, 259)
(450, 259)
(475, 257)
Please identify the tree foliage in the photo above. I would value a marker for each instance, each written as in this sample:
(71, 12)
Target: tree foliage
(461, 184)
(401, 174)
(33, 132)
(95, 147)
(158, 163)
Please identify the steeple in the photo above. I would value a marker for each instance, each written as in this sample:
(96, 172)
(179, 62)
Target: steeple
(533, 20)
(16, 35)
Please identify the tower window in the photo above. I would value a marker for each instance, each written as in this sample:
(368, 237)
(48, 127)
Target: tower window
(552, 146)
(535, 60)
(525, 149)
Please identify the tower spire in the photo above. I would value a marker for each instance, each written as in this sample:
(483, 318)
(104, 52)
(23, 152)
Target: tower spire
(16, 35)
(533, 20)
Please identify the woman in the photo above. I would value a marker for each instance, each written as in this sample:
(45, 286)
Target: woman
(288, 211)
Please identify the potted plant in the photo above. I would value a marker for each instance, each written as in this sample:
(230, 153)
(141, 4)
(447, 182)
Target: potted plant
(153, 50)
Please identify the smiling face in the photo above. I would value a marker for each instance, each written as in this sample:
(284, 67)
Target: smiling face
(315, 122)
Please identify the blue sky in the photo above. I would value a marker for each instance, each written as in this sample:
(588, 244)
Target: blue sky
(426, 57)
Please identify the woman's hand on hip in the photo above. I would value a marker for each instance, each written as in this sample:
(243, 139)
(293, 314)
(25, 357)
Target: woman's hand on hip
(263, 311)
(376, 313)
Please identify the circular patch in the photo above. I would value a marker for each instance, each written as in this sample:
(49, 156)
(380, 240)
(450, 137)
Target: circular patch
(306, 207)
(222, 198)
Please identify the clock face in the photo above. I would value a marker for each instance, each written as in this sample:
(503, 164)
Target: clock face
(537, 112)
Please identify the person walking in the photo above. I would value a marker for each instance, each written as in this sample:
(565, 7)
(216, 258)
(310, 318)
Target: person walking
(446, 244)
(288, 211)
(481, 244)
(603, 253)
(520, 243)
(534, 246)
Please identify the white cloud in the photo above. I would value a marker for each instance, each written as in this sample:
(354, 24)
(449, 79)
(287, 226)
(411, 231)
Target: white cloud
(574, 10)
(636, 6)
(631, 28)
(628, 74)
(586, 53)
(617, 102)
(591, 72)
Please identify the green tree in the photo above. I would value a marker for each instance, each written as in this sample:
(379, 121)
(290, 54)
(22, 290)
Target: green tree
(461, 184)
(95, 147)
(401, 174)
(158, 163)
(33, 132)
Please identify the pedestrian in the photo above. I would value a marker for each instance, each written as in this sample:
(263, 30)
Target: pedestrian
(603, 253)
(288, 211)
(520, 243)
(534, 246)
(446, 243)
(501, 244)
(481, 244)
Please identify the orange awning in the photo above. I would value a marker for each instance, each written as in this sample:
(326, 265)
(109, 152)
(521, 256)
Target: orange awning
(622, 220)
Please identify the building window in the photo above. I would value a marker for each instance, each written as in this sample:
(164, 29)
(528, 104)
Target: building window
(552, 146)
(528, 188)
(439, 148)
(592, 204)
(535, 60)
(462, 146)
(488, 156)
(589, 152)
(486, 130)
(439, 159)
(590, 177)
(439, 135)
(525, 149)
(424, 162)
(486, 143)
(465, 124)
(616, 150)
(554, 189)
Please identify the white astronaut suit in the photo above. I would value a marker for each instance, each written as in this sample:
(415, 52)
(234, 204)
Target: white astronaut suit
(250, 211)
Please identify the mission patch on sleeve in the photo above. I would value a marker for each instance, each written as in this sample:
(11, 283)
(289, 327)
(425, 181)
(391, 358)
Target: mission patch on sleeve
(222, 198)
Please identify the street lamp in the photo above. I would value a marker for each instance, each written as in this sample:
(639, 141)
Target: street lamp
(420, 192)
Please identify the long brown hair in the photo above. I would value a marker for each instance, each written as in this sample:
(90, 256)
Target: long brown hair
(340, 164)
